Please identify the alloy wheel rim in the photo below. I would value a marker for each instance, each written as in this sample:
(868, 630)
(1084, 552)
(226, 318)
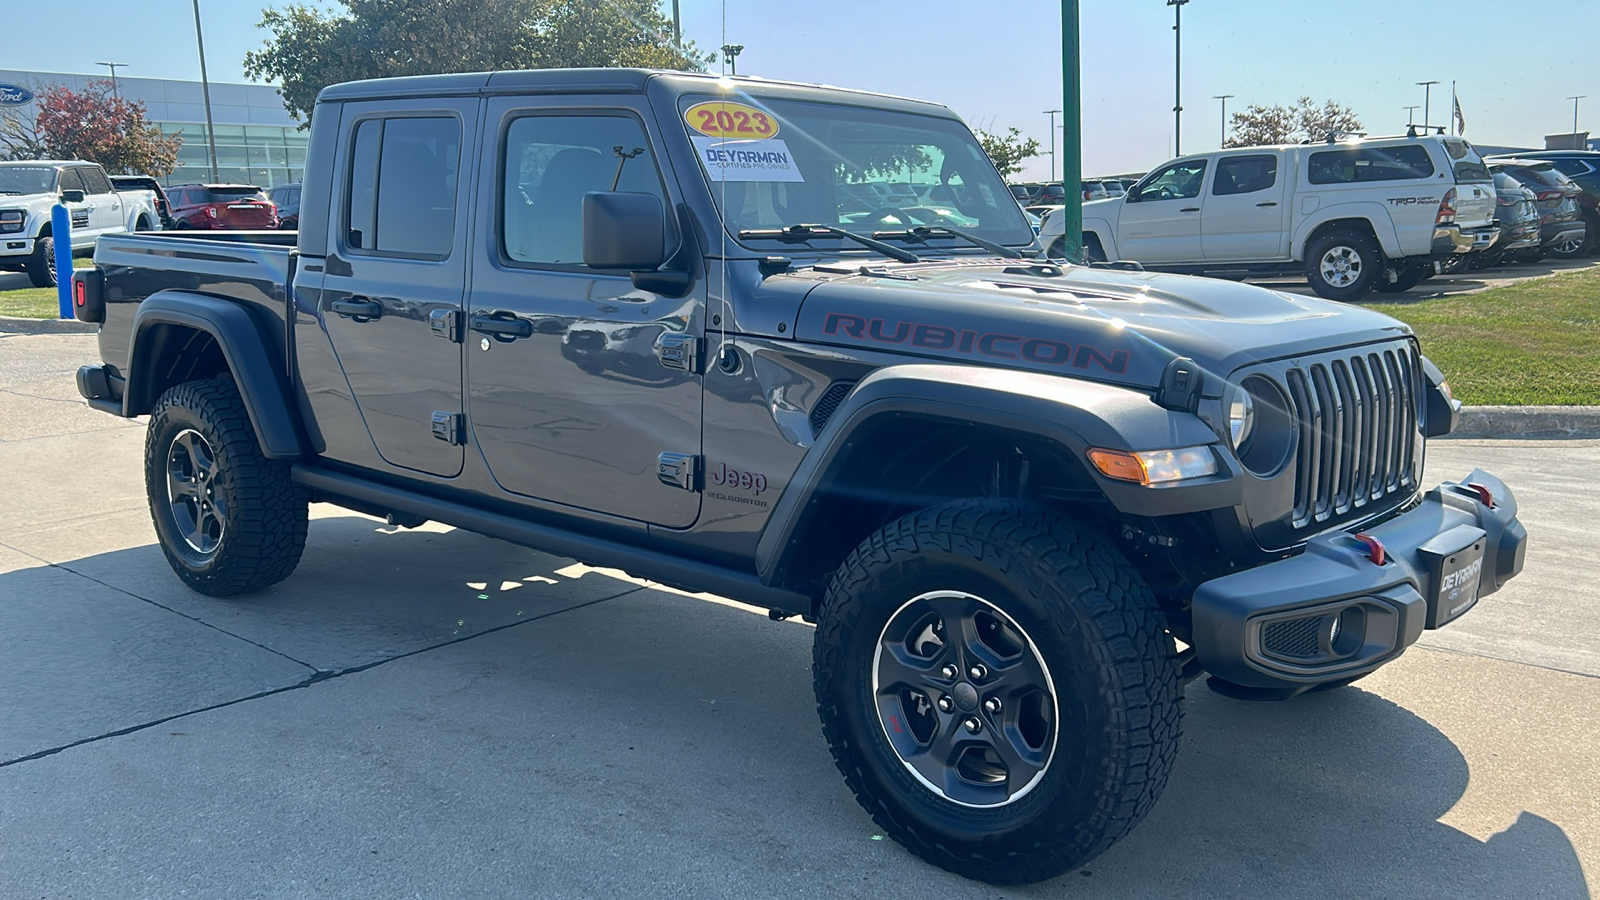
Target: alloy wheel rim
(50, 263)
(964, 699)
(200, 514)
(1570, 245)
(1341, 266)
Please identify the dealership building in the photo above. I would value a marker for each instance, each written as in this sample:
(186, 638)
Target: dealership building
(257, 142)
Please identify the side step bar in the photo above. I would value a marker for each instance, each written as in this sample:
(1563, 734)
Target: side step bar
(684, 574)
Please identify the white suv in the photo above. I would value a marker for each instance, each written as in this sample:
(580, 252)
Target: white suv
(1355, 215)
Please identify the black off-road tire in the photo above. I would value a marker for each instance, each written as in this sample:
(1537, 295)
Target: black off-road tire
(41, 263)
(1101, 639)
(1358, 249)
(263, 528)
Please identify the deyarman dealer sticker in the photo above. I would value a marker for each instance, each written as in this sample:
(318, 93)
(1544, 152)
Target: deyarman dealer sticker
(737, 142)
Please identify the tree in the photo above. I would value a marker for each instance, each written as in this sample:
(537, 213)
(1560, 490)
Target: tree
(1009, 150)
(93, 125)
(310, 49)
(1304, 121)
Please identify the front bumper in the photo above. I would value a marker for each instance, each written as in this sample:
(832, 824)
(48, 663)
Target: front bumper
(15, 247)
(1451, 239)
(1331, 613)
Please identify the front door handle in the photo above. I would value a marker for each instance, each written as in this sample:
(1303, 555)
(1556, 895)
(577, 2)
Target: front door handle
(1268, 203)
(502, 326)
(362, 309)
(1190, 209)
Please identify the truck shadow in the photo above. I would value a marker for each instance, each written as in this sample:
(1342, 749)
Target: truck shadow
(1330, 795)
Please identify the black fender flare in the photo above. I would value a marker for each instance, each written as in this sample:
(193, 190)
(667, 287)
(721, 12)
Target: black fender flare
(259, 373)
(1076, 415)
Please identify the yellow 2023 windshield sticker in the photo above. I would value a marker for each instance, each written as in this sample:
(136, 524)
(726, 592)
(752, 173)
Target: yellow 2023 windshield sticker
(726, 119)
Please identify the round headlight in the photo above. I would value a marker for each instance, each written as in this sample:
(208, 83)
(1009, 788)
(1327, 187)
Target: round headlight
(1241, 417)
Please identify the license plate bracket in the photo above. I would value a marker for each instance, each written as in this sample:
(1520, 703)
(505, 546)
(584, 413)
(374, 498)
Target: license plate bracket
(1455, 568)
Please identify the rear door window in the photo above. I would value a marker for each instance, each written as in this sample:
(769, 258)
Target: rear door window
(1245, 174)
(1573, 167)
(1364, 164)
(401, 196)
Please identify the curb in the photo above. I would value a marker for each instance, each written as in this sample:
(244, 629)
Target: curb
(18, 325)
(1529, 422)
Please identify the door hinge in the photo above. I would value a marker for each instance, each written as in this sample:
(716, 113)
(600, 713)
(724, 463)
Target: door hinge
(447, 323)
(679, 470)
(450, 428)
(676, 350)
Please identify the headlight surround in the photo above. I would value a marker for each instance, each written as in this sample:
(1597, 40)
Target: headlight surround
(12, 221)
(1155, 468)
(1262, 425)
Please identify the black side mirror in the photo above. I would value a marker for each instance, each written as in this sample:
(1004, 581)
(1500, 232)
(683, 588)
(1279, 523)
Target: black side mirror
(624, 231)
(72, 196)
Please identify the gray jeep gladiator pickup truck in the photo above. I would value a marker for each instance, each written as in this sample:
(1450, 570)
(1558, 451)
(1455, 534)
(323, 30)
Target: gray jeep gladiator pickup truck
(788, 344)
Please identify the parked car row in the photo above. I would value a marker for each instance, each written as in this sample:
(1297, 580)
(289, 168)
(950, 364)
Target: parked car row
(1038, 193)
(1353, 214)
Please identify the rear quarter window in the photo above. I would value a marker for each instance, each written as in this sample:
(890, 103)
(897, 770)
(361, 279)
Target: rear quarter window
(1364, 164)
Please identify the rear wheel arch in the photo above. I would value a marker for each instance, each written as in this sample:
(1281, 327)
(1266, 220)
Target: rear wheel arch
(179, 337)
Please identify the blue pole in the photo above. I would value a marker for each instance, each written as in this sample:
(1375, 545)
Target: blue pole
(61, 230)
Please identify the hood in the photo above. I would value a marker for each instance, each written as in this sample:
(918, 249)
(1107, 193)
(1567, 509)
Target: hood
(1101, 324)
(11, 201)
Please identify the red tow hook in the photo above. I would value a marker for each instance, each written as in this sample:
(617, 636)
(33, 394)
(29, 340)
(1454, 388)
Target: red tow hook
(1483, 492)
(1374, 548)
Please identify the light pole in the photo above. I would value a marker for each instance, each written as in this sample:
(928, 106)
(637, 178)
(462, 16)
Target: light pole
(730, 52)
(1575, 111)
(115, 66)
(677, 27)
(205, 92)
(1224, 99)
(1072, 128)
(1427, 102)
(1177, 75)
(1052, 113)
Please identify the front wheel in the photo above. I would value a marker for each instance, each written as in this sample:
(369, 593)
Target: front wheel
(41, 263)
(997, 687)
(229, 520)
(1343, 265)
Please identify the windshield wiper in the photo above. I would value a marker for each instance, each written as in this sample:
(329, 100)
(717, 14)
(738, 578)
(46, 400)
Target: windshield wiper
(803, 233)
(921, 233)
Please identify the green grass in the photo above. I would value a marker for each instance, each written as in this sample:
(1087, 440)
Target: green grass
(29, 303)
(36, 303)
(1534, 343)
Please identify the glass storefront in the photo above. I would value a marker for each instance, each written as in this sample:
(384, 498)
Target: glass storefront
(262, 155)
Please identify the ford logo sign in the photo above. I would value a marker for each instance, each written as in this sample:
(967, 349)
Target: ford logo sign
(14, 95)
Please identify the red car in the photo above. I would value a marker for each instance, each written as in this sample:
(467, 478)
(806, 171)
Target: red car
(239, 206)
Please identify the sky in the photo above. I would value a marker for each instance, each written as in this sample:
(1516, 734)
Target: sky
(998, 64)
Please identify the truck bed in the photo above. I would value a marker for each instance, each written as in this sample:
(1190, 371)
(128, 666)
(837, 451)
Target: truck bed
(252, 268)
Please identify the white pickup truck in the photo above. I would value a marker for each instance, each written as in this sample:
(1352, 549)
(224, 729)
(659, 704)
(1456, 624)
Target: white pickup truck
(1354, 215)
(28, 191)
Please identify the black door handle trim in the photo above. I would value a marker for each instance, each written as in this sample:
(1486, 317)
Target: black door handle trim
(1190, 209)
(361, 309)
(502, 326)
(1268, 203)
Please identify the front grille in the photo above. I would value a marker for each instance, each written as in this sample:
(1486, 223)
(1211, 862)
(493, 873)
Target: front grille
(1296, 637)
(1357, 417)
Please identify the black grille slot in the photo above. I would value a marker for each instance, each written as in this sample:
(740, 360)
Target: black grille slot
(827, 404)
(1357, 418)
(1297, 638)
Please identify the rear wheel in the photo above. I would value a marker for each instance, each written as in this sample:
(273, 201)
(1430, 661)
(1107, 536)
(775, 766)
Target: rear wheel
(1571, 248)
(1343, 265)
(229, 520)
(997, 688)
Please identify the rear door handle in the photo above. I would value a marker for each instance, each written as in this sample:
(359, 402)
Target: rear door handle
(361, 309)
(502, 326)
(1268, 203)
(1190, 209)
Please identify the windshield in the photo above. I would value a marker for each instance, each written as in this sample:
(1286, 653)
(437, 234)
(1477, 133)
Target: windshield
(27, 179)
(777, 163)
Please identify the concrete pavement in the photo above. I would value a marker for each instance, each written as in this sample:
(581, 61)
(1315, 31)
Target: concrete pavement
(431, 713)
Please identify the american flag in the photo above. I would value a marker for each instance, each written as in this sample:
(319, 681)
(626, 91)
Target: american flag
(1461, 121)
